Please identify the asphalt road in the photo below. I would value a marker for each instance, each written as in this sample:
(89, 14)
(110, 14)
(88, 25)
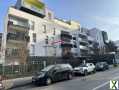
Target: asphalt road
(98, 81)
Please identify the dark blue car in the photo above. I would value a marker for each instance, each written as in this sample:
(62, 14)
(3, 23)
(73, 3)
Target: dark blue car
(52, 74)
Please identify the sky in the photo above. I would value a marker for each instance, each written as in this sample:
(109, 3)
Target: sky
(102, 14)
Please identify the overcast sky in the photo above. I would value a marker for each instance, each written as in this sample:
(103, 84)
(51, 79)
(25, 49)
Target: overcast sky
(102, 14)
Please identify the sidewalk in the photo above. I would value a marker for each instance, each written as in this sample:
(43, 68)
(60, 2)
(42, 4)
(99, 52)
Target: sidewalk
(12, 83)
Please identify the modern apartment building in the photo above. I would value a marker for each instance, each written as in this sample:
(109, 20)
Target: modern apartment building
(98, 38)
(83, 42)
(15, 40)
(35, 31)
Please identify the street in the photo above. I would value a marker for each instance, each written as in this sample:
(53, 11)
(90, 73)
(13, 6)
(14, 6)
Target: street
(98, 81)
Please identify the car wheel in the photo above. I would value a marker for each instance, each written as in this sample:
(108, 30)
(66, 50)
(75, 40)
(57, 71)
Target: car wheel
(48, 81)
(69, 76)
(85, 72)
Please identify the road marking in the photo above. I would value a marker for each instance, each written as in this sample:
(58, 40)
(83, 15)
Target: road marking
(102, 85)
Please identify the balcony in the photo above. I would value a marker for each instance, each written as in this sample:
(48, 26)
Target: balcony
(65, 39)
(82, 34)
(17, 38)
(81, 40)
(18, 27)
(91, 46)
(66, 45)
(83, 47)
(90, 38)
(63, 35)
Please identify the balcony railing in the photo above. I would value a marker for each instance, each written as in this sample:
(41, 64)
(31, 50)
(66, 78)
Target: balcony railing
(83, 47)
(66, 36)
(91, 46)
(15, 37)
(81, 40)
(90, 38)
(17, 26)
(66, 45)
(82, 34)
(65, 39)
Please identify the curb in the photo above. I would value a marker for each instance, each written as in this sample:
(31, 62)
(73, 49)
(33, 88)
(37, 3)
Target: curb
(14, 83)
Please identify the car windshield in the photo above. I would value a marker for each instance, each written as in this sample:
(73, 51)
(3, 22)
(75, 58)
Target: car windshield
(101, 63)
(83, 65)
(47, 68)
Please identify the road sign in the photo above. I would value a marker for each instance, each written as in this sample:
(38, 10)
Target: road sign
(59, 42)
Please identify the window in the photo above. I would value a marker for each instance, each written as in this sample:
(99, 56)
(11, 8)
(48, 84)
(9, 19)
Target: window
(34, 37)
(32, 24)
(44, 28)
(32, 49)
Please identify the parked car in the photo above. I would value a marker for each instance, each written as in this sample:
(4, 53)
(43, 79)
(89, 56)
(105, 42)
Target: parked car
(102, 66)
(53, 73)
(85, 69)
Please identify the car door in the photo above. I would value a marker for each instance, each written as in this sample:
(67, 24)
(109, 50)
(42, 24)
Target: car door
(90, 67)
(64, 72)
(56, 73)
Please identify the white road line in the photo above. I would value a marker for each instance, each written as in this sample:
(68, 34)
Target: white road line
(102, 85)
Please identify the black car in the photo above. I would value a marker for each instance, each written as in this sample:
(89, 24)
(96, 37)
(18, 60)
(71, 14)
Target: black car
(53, 73)
(101, 66)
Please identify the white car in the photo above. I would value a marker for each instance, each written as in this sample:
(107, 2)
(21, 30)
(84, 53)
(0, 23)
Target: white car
(85, 69)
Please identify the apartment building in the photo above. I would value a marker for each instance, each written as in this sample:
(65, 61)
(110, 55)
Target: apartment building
(15, 40)
(98, 38)
(35, 30)
(83, 42)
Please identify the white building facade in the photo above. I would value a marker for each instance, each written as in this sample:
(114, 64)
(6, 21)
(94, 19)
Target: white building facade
(48, 36)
